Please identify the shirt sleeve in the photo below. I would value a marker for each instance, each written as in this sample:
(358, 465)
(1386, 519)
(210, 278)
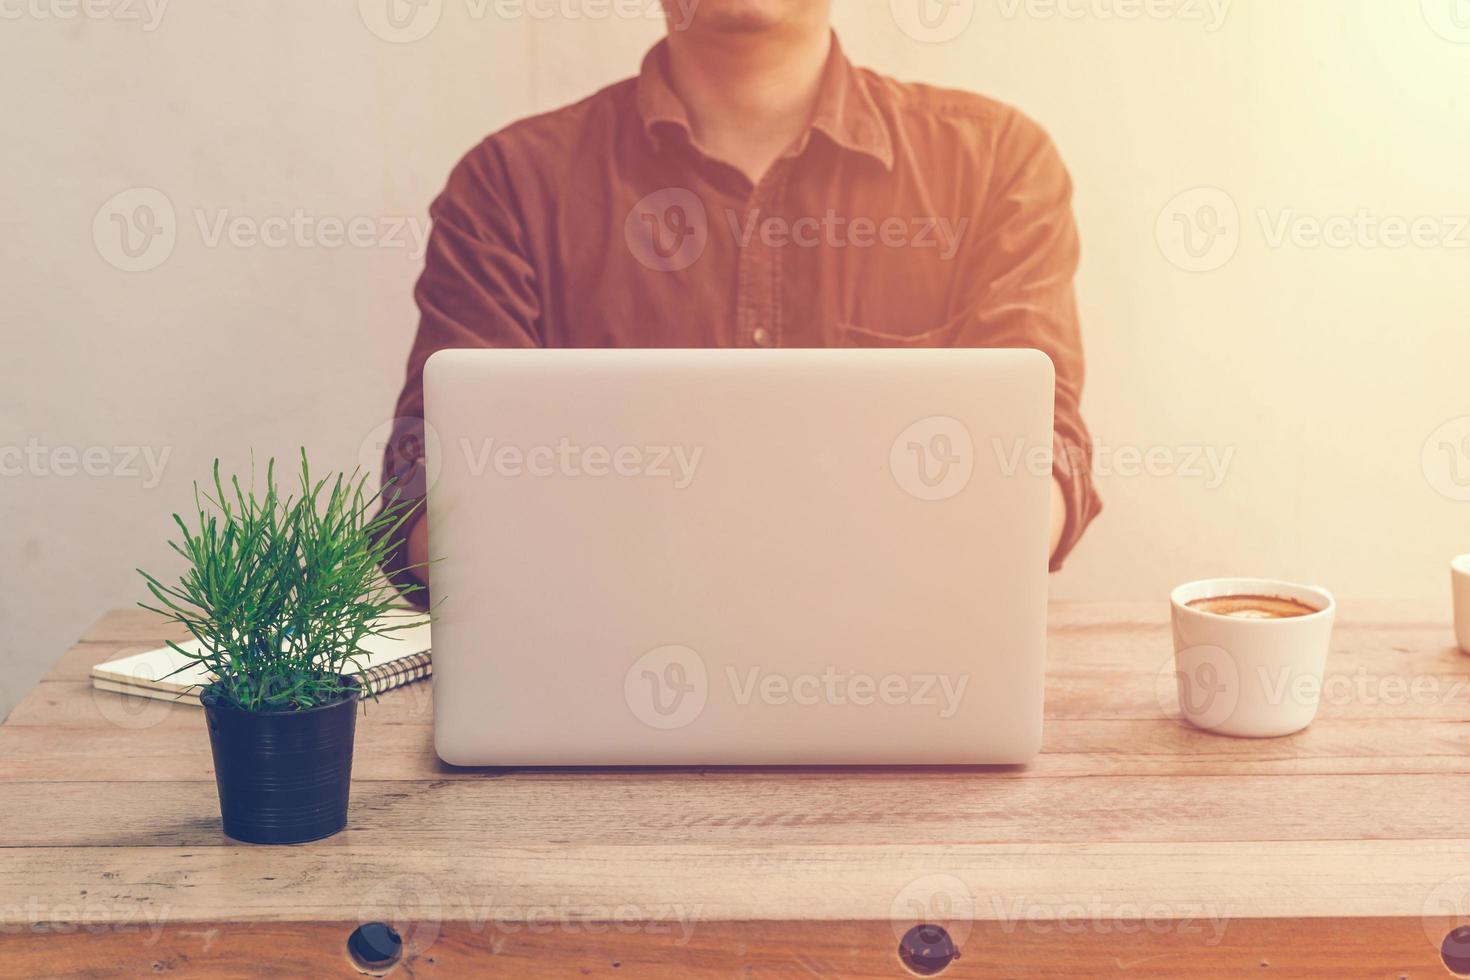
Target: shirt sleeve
(478, 289)
(1025, 256)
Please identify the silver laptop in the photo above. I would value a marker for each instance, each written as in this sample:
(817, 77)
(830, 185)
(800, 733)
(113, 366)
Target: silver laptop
(738, 557)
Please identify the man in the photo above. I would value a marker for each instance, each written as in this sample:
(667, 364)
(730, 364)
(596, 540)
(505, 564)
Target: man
(750, 188)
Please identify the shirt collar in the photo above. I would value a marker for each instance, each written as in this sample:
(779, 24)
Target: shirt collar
(845, 111)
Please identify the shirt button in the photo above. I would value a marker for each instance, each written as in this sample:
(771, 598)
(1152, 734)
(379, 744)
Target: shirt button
(762, 337)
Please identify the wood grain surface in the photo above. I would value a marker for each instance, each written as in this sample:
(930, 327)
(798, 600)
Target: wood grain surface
(1134, 846)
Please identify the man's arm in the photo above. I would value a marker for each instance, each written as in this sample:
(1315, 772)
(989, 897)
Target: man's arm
(1023, 258)
(418, 549)
(478, 289)
(1058, 517)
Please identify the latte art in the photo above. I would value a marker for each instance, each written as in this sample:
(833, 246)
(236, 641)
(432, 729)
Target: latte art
(1253, 607)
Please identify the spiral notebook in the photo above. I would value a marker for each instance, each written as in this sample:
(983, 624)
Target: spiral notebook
(386, 662)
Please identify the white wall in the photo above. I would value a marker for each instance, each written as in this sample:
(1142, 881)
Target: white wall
(1323, 370)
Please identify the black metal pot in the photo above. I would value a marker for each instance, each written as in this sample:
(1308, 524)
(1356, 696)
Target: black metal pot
(283, 776)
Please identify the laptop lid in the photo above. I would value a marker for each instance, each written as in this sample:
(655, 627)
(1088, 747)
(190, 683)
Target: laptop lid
(738, 557)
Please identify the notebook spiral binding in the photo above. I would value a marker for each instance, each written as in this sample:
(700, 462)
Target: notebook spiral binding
(385, 677)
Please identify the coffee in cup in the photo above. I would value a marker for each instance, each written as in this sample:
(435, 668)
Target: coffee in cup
(1254, 606)
(1249, 654)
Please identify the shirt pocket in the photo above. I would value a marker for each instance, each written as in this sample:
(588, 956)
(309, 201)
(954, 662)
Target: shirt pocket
(855, 335)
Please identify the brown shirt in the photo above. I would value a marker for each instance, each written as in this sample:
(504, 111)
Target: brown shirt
(906, 216)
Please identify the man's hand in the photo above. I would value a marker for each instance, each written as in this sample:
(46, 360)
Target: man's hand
(418, 549)
(1058, 516)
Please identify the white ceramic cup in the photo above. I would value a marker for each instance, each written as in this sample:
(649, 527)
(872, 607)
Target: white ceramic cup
(1253, 678)
(1460, 580)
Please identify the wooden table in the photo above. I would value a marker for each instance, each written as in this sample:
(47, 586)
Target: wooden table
(1132, 847)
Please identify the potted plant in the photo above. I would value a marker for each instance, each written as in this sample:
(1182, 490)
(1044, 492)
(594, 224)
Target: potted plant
(279, 592)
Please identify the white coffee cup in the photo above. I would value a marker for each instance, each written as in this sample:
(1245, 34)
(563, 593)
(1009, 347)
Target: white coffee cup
(1460, 581)
(1253, 678)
